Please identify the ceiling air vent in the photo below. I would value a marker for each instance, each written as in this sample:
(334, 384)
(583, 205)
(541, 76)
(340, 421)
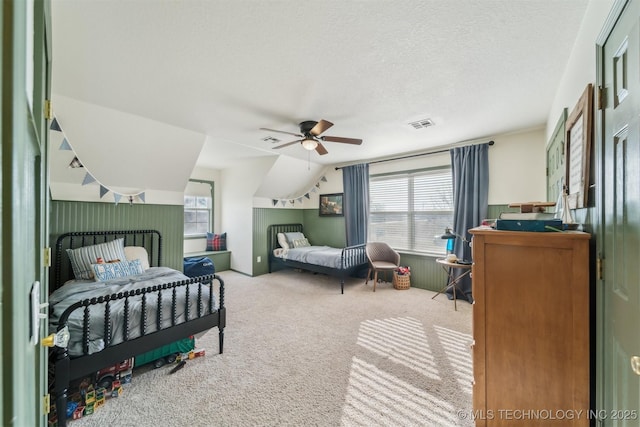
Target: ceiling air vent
(270, 139)
(422, 124)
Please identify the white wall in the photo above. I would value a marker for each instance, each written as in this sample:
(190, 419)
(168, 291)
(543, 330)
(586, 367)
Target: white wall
(581, 66)
(332, 184)
(238, 186)
(516, 166)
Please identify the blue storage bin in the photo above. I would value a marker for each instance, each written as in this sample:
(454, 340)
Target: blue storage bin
(194, 267)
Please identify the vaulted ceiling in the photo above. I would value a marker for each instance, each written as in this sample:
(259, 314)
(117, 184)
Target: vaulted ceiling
(224, 69)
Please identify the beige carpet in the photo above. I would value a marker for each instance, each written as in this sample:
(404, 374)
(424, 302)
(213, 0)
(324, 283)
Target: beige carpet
(298, 353)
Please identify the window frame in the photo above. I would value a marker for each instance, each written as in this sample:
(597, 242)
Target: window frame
(210, 209)
(411, 213)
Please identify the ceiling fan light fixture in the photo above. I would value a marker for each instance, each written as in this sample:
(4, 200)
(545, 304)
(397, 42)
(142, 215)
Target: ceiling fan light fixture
(309, 144)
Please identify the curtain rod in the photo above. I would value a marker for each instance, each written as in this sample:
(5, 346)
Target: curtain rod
(416, 155)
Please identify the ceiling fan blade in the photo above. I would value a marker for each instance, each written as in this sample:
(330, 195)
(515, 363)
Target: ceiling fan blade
(287, 144)
(320, 127)
(343, 140)
(282, 131)
(321, 150)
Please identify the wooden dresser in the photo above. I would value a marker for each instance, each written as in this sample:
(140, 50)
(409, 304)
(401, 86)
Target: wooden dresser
(530, 328)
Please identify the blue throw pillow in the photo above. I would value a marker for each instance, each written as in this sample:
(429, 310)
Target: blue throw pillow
(115, 270)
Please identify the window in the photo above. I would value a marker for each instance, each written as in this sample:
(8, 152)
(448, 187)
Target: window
(410, 210)
(198, 208)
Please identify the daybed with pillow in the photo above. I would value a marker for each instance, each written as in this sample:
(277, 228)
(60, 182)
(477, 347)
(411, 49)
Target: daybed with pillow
(289, 247)
(111, 300)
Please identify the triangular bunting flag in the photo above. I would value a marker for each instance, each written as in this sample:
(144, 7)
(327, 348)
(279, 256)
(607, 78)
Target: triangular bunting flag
(65, 145)
(292, 201)
(275, 202)
(141, 197)
(55, 125)
(117, 197)
(88, 179)
(314, 189)
(307, 196)
(299, 199)
(283, 202)
(323, 179)
(318, 184)
(103, 190)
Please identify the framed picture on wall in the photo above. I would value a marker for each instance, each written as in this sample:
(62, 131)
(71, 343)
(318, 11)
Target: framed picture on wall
(579, 134)
(331, 204)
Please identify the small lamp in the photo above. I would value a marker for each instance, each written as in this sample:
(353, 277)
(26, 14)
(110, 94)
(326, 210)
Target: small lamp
(450, 237)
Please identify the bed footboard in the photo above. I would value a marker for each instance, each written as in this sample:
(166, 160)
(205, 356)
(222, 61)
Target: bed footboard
(205, 315)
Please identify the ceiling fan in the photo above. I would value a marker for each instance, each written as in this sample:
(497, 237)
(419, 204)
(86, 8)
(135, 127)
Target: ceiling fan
(310, 138)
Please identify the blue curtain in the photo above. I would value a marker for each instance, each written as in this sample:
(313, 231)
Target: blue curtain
(355, 180)
(470, 170)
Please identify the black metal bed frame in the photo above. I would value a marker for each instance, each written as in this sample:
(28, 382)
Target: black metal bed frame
(66, 368)
(352, 258)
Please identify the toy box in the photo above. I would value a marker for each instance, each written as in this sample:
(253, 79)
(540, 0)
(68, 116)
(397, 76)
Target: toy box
(181, 346)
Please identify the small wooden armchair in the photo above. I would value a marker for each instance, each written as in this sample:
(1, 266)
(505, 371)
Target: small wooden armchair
(382, 257)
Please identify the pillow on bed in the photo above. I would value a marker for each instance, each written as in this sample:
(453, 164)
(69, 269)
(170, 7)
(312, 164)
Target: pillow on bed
(139, 253)
(114, 270)
(291, 237)
(282, 239)
(82, 258)
(299, 243)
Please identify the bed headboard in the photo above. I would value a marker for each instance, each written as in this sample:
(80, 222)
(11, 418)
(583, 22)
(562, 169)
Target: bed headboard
(151, 240)
(274, 229)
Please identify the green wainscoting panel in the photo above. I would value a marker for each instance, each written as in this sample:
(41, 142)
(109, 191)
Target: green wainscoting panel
(323, 230)
(90, 216)
(262, 219)
(425, 272)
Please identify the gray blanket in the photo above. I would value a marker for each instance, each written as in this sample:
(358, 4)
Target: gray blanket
(325, 256)
(75, 291)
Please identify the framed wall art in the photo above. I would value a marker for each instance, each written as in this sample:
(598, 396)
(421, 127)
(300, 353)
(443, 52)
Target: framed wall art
(331, 204)
(579, 136)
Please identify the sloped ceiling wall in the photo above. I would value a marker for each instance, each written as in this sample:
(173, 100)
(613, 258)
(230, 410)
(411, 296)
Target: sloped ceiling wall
(288, 178)
(125, 153)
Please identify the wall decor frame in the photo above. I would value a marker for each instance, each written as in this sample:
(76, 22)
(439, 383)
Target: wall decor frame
(331, 204)
(579, 137)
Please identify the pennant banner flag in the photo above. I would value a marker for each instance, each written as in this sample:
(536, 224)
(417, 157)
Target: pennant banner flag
(55, 125)
(323, 179)
(65, 145)
(88, 179)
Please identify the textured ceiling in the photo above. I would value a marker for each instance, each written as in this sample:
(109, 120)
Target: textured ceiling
(224, 69)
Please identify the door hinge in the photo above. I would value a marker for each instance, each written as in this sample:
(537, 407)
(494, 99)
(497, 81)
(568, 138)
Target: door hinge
(47, 110)
(601, 98)
(46, 399)
(600, 268)
(47, 257)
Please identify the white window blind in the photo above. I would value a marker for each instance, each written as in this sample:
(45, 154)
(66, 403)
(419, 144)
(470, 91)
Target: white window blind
(410, 210)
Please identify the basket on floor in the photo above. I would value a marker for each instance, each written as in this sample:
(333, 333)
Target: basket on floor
(401, 281)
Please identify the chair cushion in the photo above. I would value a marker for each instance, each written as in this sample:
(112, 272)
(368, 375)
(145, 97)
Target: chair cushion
(384, 265)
